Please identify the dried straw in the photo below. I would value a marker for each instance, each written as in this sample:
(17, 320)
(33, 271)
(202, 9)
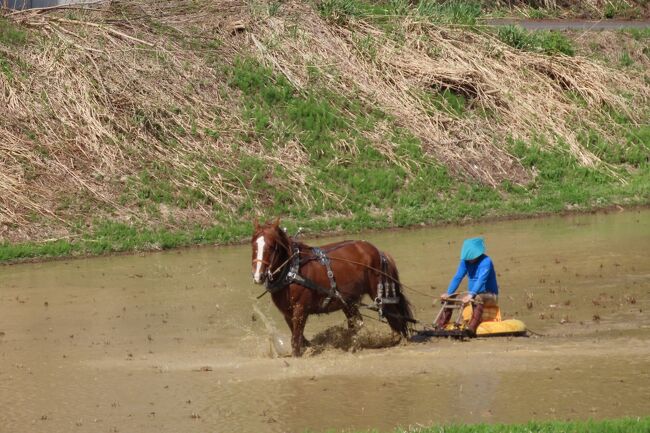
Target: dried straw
(99, 96)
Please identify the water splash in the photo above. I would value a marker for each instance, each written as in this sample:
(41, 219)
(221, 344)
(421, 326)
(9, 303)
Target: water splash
(351, 340)
(279, 345)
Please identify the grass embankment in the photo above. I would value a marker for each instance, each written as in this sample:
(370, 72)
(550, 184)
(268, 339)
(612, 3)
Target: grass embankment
(627, 425)
(134, 128)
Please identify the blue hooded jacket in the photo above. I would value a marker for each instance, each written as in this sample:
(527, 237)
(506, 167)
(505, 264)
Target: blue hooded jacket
(481, 275)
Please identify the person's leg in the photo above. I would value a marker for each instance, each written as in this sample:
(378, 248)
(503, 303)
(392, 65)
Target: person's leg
(477, 313)
(481, 301)
(444, 318)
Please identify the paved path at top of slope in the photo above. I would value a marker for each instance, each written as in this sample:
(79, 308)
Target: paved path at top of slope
(570, 24)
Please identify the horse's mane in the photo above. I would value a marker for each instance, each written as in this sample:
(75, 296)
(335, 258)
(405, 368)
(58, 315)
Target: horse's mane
(290, 241)
(279, 235)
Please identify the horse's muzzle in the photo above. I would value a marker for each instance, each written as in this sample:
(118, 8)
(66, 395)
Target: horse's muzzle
(260, 279)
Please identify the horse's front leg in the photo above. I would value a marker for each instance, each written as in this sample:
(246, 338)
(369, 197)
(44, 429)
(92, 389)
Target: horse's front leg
(298, 321)
(289, 320)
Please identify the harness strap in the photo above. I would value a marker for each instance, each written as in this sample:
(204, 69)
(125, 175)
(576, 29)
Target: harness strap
(386, 293)
(287, 275)
(315, 256)
(325, 261)
(291, 274)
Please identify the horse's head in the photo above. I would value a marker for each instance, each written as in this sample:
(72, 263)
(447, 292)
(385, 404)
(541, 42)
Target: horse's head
(268, 241)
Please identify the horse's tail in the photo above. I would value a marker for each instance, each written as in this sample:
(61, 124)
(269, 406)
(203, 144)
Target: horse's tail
(400, 315)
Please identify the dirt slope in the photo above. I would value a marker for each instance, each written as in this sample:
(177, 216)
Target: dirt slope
(179, 114)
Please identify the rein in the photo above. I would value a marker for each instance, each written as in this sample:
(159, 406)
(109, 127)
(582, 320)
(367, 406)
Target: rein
(395, 280)
(283, 264)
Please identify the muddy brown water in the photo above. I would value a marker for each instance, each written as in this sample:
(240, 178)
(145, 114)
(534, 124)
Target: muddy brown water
(171, 341)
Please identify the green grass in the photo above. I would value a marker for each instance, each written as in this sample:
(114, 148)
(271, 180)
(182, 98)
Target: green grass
(322, 121)
(462, 12)
(546, 42)
(351, 190)
(638, 34)
(560, 181)
(339, 11)
(11, 34)
(451, 12)
(627, 425)
(617, 8)
(446, 100)
(624, 425)
(349, 183)
(626, 60)
(589, 9)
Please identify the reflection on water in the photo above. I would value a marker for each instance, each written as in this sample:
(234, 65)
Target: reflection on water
(172, 341)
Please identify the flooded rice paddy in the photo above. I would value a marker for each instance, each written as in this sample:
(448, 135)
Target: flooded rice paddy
(177, 341)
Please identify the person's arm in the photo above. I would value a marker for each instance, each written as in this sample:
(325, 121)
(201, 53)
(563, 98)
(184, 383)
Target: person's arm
(455, 281)
(481, 276)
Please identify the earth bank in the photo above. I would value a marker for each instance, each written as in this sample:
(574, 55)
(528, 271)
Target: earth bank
(152, 125)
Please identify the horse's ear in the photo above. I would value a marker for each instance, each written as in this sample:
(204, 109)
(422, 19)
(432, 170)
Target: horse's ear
(256, 224)
(276, 223)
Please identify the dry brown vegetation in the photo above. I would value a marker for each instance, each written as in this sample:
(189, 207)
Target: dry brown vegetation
(96, 96)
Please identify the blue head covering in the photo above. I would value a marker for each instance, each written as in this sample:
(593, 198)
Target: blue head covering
(472, 248)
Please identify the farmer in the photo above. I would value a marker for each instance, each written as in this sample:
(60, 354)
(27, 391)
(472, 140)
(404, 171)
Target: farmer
(483, 288)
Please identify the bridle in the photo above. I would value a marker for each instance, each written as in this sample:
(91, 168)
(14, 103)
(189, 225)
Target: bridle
(277, 243)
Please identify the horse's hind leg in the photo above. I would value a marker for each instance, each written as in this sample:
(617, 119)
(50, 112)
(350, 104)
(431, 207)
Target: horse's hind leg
(351, 312)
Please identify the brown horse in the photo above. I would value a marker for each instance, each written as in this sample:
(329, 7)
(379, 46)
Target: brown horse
(304, 280)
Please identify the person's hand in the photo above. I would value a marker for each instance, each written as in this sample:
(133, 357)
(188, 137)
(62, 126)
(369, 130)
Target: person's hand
(467, 299)
(444, 296)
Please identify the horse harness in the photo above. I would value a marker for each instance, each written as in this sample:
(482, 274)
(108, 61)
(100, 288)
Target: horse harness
(386, 290)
